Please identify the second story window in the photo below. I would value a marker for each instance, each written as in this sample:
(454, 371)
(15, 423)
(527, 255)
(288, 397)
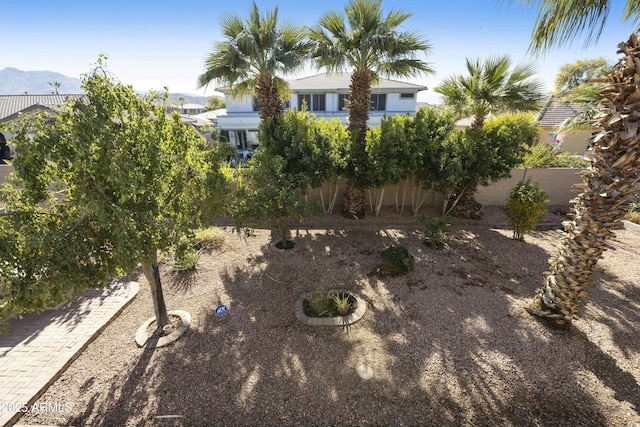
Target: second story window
(315, 102)
(256, 106)
(379, 101)
(341, 98)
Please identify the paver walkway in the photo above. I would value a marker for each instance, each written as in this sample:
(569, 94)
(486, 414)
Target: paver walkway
(39, 347)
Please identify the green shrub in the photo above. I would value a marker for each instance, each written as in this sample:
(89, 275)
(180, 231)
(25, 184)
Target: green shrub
(526, 205)
(397, 260)
(544, 156)
(436, 229)
(186, 257)
(633, 214)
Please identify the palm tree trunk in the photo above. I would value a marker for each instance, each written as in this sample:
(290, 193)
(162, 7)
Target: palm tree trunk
(358, 105)
(606, 188)
(269, 100)
(152, 273)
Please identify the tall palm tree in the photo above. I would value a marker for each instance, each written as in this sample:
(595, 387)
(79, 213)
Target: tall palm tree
(608, 185)
(369, 44)
(254, 55)
(491, 86)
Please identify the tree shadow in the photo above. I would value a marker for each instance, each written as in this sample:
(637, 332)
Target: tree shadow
(447, 344)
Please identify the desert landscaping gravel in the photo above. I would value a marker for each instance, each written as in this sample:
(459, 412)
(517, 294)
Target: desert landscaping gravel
(447, 344)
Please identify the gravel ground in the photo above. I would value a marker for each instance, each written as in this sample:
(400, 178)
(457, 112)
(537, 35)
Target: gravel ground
(448, 344)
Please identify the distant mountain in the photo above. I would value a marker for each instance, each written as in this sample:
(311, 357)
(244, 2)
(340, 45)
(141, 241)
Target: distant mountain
(17, 82)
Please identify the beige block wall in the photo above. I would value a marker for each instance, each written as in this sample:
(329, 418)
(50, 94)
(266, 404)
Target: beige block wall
(4, 171)
(556, 182)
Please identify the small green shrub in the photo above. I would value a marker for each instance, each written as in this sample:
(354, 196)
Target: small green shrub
(526, 205)
(544, 156)
(186, 257)
(633, 214)
(436, 229)
(397, 260)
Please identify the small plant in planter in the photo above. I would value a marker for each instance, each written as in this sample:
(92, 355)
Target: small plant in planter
(526, 205)
(330, 303)
(343, 303)
(397, 260)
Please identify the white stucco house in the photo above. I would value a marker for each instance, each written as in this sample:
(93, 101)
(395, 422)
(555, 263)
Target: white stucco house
(324, 95)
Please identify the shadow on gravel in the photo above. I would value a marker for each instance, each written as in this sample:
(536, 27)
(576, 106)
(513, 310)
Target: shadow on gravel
(448, 344)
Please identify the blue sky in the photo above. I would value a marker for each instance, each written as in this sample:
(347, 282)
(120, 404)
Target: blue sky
(152, 44)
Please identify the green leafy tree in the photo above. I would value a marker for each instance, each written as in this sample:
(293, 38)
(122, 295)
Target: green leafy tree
(579, 83)
(580, 72)
(461, 161)
(296, 154)
(128, 181)
(369, 44)
(390, 155)
(491, 87)
(215, 103)
(437, 153)
(253, 56)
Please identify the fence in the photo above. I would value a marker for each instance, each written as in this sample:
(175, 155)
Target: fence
(556, 182)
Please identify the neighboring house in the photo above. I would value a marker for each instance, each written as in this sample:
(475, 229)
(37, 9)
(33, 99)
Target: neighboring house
(13, 105)
(324, 96)
(551, 117)
(189, 109)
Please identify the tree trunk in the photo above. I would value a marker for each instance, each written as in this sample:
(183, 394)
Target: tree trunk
(353, 201)
(606, 189)
(269, 100)
(152, 273)
(358, 105)
(464, 205)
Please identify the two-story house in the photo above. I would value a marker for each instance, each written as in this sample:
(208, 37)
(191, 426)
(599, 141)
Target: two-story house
(324, 95)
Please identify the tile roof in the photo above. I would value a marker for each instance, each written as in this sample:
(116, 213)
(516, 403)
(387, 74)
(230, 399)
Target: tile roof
(555, 112)
(11, 105)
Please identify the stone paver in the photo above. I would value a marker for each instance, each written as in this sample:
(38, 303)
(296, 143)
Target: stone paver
(39, 347)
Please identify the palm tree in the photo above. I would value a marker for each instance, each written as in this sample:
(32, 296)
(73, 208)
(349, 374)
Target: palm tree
(254, 55)
(608, 185)
(370, 45)
(561, 22)
(491, 87)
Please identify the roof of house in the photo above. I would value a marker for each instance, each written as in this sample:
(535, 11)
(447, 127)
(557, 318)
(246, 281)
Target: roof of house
(192, 106)
(555, 112)
(11, 105)
(340, 82)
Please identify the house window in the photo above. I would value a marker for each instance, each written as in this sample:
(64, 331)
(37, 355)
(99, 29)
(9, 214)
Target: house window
(341, 98)
(315, 102)
(378, 101)
(256, 106)
(407, 96)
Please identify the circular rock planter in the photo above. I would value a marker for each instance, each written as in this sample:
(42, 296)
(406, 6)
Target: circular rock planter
(360, 307)
(146, 339)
